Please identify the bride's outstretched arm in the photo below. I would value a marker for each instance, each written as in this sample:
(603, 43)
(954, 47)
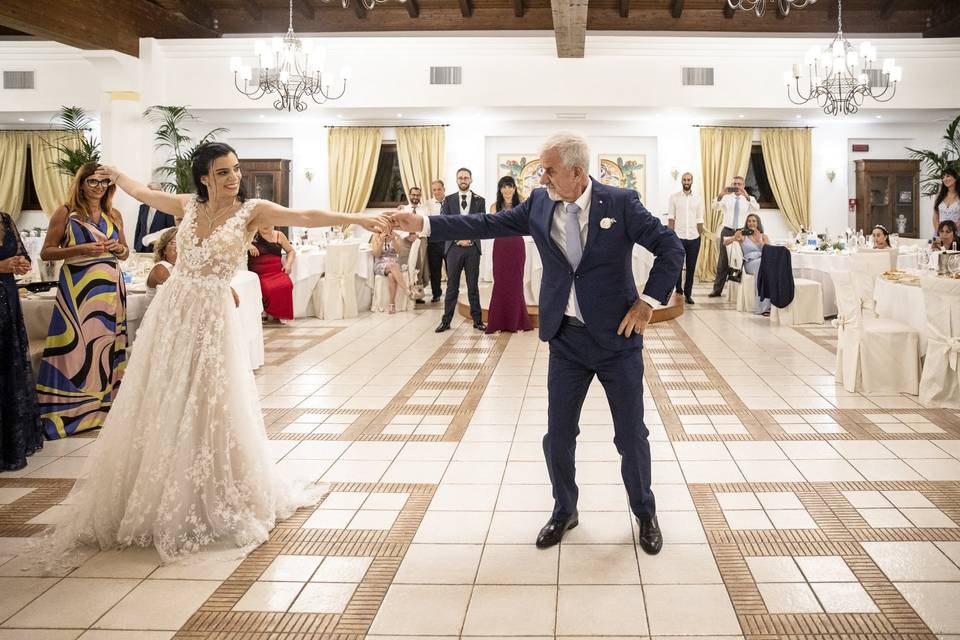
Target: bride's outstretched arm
(160, 200)
(269, 213)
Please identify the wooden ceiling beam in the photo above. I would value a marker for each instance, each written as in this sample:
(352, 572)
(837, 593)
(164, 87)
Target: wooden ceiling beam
(728, 11)
(118, 29)
(676, 9)
(358, 9)
(197, 11)
(569, 27)
(466, 8)
(413, 8)
(305, 8)
(624, 8)
(518, 8)
(945, 21)
(886, 11)
(253, 10)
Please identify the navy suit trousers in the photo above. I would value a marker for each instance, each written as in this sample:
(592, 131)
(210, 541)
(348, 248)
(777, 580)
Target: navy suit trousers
(575, 358)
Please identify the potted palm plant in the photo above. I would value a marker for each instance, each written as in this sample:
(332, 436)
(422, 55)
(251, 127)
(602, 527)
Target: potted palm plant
(933, 164)
(78, 146)
(172, 135)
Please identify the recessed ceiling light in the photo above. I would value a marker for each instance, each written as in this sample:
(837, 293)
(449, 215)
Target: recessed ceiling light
(339, 115)
(399, 115)
(261, 115)
(798, 116)
(20, 119)
(740, 116)
(878, 117)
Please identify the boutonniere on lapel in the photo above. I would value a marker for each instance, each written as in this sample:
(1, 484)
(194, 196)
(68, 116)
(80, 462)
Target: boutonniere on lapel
(606, 223)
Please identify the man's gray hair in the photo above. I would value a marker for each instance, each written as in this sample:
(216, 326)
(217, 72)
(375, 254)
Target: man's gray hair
(573, 149)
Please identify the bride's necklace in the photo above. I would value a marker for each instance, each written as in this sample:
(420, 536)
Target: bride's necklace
(214, 218)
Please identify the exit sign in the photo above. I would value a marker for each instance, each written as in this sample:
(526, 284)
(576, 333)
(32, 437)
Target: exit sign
(861, 148)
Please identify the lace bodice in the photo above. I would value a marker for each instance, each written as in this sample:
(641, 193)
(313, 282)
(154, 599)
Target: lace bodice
(218, 257)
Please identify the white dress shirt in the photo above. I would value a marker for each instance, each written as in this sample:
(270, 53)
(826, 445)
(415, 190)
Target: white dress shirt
(686, 210)
(729, 202)
(558, 234)
(433, 206)
(151, 214)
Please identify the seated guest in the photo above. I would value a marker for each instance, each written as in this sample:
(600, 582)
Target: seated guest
(275, 283)
(752, 238)
(20, 430)
(150, 221)
(947, 240)
(881, 237)
(165, 257)
(387, 264)
(404, 242)
(508, 307)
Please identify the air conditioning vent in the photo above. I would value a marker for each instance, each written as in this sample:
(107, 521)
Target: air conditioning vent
(18, 80)
(571, 116)
(875, 78)
(446, 75)
(697, 76)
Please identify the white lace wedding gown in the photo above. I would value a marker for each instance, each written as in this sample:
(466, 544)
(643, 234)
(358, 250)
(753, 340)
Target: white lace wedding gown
(182, 460)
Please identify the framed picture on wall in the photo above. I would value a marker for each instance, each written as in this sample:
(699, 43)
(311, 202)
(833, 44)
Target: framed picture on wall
(524, 168)
(625, 171)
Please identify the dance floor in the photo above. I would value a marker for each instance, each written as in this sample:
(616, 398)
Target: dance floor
(789, 507)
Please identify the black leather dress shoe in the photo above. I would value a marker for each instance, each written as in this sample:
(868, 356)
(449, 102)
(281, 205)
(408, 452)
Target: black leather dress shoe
(435, 299)
(552, 532)
(714, 294)
(443, 326)
(419, 301)
(479, 326)
(651, 540)
(688, 300)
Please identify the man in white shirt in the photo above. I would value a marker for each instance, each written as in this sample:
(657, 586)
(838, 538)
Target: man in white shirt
(435, 248)
(736, 204)
(405, 241)
(685, 217)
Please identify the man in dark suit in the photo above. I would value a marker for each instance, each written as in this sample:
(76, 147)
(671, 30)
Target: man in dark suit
(150, 221)
(462, 255)
(590, 314)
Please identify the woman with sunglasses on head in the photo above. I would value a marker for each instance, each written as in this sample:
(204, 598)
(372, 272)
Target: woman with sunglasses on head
(86, 349)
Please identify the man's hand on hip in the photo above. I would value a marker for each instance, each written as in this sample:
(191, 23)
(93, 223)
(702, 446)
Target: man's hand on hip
(636, 319)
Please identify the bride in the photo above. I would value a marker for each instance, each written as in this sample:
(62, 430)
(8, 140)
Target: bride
(182, 460)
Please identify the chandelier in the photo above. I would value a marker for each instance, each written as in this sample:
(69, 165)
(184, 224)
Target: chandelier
(367, 4)
(290, 68)
(759, 6)
(840, 79)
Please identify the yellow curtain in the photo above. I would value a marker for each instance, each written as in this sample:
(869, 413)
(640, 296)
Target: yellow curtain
(13, 170)
(51, 185)
(420, 152)
(354, 153)
(788, 154)
(724, 153)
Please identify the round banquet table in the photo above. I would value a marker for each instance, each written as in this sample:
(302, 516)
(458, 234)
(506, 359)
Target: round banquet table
(307, 273)
(38, 308)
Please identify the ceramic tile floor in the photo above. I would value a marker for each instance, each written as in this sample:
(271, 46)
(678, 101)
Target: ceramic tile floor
(783, 500)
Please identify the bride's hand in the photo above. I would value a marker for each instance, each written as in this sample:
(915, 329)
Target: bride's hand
(377, 224)
(110, 171)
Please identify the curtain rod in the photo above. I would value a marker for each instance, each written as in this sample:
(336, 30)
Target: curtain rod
(380, 126)
(730, 126)
(38, 130)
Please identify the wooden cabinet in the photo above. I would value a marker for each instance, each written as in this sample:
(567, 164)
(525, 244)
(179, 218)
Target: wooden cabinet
(268, 179)
(888, 193)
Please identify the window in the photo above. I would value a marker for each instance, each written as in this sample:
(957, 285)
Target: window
(387, 186)
(757, 183)
(30, 200)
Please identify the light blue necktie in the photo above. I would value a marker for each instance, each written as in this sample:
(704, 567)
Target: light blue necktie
(736, 212)
(574, 250)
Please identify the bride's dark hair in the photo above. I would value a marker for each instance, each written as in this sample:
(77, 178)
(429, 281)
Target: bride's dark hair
(203, 157)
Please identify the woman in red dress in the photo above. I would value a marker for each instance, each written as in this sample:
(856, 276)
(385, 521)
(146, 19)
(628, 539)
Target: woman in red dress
(508, 308)
(275, 283)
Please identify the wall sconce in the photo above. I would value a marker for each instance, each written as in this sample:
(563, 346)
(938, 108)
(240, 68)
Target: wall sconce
(674, 173)
(308, 174)
(831, 174)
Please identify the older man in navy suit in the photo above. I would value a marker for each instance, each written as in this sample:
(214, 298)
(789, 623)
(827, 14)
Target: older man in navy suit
(590, 313)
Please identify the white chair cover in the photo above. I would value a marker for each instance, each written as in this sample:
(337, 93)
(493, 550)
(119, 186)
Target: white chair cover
(339, 293)
(867, 266)
(806, 308)
(940, 380)
(747, 293)
(873, 355)
(735, 255)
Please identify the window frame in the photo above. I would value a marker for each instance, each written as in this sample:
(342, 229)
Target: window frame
(756, 149)
(31, 201)
(386, 147)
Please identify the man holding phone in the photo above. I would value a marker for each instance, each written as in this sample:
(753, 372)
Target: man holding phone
(736, 204)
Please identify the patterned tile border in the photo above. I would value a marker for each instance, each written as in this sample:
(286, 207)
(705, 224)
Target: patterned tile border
(306, 339)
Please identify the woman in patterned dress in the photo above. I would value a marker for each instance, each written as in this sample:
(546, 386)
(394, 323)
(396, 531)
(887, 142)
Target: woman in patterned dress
(86, 348)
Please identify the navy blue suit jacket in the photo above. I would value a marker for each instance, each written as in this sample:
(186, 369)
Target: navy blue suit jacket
(160, 221)
(605, 286)
(451, 207)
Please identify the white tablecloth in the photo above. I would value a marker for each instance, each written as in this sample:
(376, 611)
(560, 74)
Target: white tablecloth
(37, 310)
(817, 266)
(533, 268)
(307, 271)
